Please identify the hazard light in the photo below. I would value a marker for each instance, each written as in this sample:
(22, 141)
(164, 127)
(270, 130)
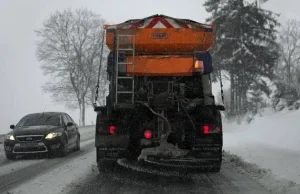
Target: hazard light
(207, 129)
(198, 66)
(148, 134)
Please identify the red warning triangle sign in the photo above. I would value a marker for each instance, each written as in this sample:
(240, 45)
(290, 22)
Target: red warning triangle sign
(161, 20)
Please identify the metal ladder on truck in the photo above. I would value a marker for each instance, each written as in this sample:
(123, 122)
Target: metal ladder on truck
(122, 67)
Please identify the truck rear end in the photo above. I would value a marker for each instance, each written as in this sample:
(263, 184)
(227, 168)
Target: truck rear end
(160, 106)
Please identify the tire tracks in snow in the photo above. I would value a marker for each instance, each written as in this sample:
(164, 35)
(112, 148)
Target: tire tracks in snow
(121, 180)
(18, 177)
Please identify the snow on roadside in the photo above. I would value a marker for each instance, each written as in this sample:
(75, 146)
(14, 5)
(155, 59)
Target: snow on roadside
(61, 179)
(87, 132)
(265, 177)
(271, 142)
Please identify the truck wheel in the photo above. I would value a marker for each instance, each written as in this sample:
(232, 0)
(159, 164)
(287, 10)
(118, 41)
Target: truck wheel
(216, 167)
(132, 152)
(102, 167)
(134, 147)
(106, 165)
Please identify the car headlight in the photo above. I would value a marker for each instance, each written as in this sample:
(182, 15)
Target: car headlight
(10, 137)
(52, 135)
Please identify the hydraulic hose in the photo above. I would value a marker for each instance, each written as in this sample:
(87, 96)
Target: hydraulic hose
(164, 136)
(185, 111)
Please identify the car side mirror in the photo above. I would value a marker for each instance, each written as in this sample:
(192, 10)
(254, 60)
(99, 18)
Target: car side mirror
(12, 126)
(69, 124)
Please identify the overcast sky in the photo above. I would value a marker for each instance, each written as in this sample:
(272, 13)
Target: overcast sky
(20, 75)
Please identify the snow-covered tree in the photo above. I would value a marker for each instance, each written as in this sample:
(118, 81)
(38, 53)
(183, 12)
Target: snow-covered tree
(245, 45)
(287, 71)
(290, 47)
(70, 50)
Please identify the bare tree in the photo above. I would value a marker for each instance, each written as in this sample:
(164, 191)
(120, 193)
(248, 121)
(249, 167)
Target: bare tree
(70, 50)
(290, 47)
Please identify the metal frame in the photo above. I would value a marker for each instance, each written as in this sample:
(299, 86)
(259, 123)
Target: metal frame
(117, 77)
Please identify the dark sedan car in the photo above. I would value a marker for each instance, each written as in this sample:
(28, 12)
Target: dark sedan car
(54, 133)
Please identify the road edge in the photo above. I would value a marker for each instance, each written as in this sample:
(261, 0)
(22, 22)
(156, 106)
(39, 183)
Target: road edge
(265, 177)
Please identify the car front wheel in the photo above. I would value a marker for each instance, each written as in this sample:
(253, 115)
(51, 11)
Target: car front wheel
(63, 149)
(77, 144)
(10, 156)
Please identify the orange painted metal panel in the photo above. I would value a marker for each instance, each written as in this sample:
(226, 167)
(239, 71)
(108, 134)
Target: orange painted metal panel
(164, 39)
(169, 65)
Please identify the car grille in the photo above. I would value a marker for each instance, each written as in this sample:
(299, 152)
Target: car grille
(30, 149)
(29, 138)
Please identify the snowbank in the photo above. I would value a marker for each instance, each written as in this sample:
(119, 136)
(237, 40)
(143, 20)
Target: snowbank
(87, 132)
(272, 142)
(280, 129)
(265, 177)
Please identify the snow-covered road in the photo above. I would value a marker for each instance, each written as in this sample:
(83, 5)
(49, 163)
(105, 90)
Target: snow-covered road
(24, 171)
(77, 173)
(122, 180)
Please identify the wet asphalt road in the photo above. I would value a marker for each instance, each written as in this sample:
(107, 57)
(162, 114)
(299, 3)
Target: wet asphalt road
(124, 181)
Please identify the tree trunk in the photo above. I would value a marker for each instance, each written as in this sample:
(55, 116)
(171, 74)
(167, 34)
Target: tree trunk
(231, 93)
(289, 75)
(82, 112)
(236, 103)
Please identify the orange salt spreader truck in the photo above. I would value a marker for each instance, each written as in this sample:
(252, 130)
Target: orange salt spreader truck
(160, 108)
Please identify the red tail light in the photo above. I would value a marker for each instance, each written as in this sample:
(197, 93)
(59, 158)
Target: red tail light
(148, 134)
(112, 129)
(210, 129)
(206, 129)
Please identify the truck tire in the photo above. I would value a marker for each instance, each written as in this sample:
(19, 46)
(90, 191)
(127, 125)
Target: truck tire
(105, 166)
(217, 166)
(134, 147)
(102, 166)
(136, 133)
(214, 118)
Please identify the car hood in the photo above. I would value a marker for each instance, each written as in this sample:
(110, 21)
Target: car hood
(34, 130)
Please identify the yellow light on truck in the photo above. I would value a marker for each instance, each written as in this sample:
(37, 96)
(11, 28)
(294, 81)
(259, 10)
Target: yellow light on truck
(198, 65)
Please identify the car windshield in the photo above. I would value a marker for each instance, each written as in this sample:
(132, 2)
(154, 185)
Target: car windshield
(39, 119)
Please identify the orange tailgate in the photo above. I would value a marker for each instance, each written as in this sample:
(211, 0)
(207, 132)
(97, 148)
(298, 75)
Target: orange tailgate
(171, 65)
